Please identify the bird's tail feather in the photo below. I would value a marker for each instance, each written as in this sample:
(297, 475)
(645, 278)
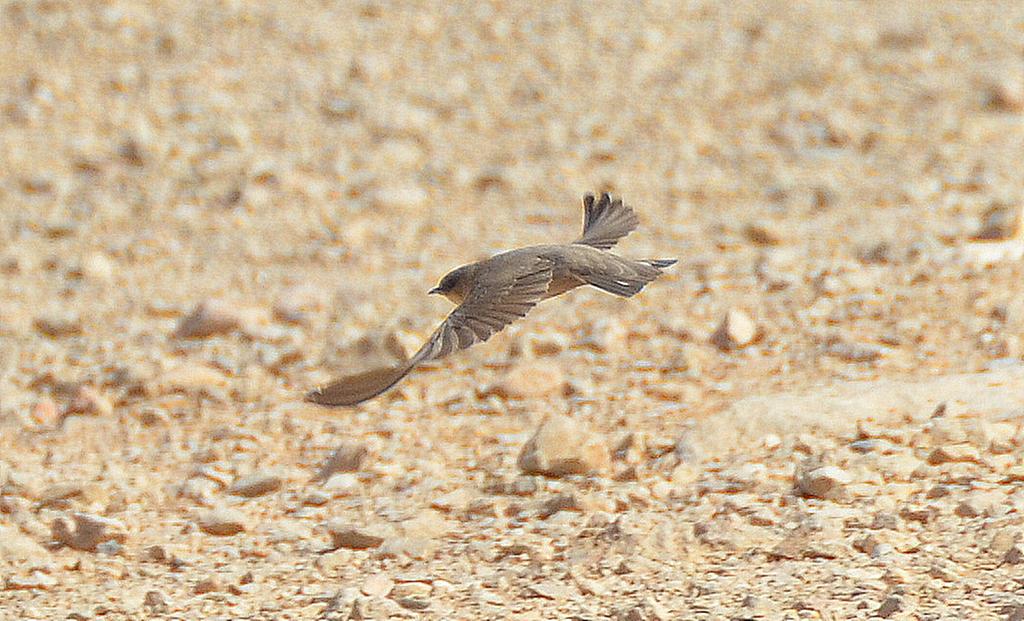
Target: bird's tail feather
(625, 277)
(605, 221)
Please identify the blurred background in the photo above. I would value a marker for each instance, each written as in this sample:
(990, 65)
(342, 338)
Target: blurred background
(208, 207)
(339, 157)
(158, 154)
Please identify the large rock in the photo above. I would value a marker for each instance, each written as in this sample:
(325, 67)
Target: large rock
(529, 379)
(562, 446)
(835, 410)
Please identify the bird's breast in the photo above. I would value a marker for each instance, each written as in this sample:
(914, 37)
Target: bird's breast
(456, 297)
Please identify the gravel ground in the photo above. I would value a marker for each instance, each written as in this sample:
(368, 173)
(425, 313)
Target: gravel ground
(210, 207)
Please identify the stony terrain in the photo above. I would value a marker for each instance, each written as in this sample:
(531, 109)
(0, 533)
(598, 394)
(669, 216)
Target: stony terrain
(207, 208)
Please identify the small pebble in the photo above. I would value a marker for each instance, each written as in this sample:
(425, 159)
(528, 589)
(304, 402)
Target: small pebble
(256, 484)
(348, 457)
(210, 584)
(890, 606)
(343, 535)
(953, 454)
(155, 599)
(88, 402)
(58, 326)
(85, 531)
(222, 521)
(377, 585)
(209, 318)
(823, 482)
(735, 331)
(763, 234)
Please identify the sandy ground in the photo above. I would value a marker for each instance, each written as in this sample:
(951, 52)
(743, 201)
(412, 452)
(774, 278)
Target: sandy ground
(207, 208)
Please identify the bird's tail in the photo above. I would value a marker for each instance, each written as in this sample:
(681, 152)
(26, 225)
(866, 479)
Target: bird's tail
(624, 277)
(605, 221)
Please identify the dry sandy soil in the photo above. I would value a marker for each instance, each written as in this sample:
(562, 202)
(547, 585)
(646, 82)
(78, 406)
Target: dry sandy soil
(207, 208)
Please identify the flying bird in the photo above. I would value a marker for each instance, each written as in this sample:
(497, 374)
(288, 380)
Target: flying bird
(492, 293)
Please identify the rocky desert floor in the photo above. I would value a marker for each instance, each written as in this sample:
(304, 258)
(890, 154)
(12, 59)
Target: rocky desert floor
(208, 208)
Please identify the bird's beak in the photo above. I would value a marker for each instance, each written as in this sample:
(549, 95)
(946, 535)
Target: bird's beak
(434, 290)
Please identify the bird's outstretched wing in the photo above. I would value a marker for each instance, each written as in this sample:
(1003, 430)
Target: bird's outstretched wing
(605, 221)
(492, 304)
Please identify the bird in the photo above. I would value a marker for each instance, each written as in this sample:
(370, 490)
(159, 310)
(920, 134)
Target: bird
(492, 293)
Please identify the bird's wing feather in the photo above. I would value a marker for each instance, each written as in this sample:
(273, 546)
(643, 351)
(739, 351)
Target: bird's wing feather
(492, 304)
(606, 221)
(488, 308)
(353, 389)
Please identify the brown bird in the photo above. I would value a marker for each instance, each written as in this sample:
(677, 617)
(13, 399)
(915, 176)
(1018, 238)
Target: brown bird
(493, 293)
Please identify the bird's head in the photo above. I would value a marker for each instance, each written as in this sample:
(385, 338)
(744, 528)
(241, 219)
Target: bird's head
(455, 284)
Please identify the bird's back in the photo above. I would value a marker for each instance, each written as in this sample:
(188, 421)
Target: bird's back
(568, 261)
(574, 265)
